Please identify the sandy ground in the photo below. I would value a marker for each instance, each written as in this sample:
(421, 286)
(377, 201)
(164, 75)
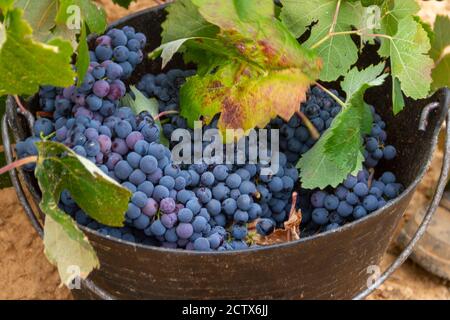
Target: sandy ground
(26, 274)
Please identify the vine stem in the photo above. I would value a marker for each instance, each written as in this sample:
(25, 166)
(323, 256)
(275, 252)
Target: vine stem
(164, 113)
(19, 103)
(332, 26)
(18, 163)
(314, 133)
(331, 94)
(335, 16)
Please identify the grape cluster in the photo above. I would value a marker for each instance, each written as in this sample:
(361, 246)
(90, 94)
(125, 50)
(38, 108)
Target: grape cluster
(165, 87)
(295, 137)
(375, 143)
(355, 198)
(200, 206)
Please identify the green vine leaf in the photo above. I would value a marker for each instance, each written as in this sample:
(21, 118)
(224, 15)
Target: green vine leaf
(440, 55)
(25, 63)
(339, 151)
(65, 244)
(83, 58)
(392, 12)
(141, 103)
(441, 73)
(409, 60)
(93, 15)
(59, 168)
(5, 5)
(339, 53)
(441, 39)
(184, 21)
(167, 50)
(40, 15)
(355, 78)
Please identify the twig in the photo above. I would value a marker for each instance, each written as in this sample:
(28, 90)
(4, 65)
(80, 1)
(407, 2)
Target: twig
(370, 180)
(314, 133)
(164, 113)
(20, 105)
(44, 114)
(18, 163)
(331, 94)
(336, 13)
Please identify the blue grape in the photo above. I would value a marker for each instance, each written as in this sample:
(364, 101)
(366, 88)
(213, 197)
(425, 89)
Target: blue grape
(133, 211)
(137, 177)
(122, 170)
(202, 244)
(139, 199)
(207, 179)
(240, 216)
(160, 192)
(320, 216)
(157, 228)
(331, 202)
(247, 187)
(146, 187)
(214, 207)
(103, 52)
(220, 172)
(233, 181)
(114, 71)
(359, 212)
(352, 198)
(194, 205)
(389, 152)
(265, 227)
(276, 184)
(148, 164)
(244, 202)
(43, 126)
(185, 215)
(344, 209)
(134, 159)
(118, 37)
(239, 232)
(204, 194)
(361, 189)
(199, 223)
(388, 177)
(121, 53)
(184, 230)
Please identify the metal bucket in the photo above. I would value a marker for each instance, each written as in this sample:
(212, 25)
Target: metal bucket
(330, 265)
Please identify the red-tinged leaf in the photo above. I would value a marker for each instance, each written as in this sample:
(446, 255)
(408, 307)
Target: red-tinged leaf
(251, 68)
(251, 101)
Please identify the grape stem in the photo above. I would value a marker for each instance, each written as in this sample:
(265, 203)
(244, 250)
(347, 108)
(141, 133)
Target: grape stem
(371, 174)
(164, 113)
(18, 163)
(314, 133)
(331, 94)
(20, 105)
(331, 33)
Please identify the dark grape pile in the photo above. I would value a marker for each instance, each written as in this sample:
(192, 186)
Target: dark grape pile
(200, 206)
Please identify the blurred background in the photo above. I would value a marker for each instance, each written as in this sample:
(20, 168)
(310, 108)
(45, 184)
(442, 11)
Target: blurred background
(26, 274)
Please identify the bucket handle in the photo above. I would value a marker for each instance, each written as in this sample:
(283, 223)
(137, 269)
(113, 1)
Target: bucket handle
(442, 182)
(102, 294)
